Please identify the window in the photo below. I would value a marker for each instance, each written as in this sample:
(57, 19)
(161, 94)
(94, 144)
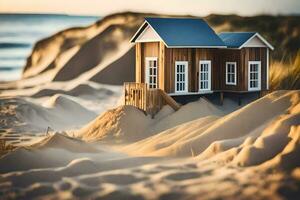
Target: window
(151, 72)
(230, 73)
(254, 75)
(181, 76)
(204, 75)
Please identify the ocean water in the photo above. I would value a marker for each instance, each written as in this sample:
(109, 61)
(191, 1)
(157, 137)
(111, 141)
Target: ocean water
(19, 33)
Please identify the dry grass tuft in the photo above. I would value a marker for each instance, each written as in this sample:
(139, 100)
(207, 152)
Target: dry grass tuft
(285, 74)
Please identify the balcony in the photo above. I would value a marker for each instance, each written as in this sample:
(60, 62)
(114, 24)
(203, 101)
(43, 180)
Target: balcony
(148, 100)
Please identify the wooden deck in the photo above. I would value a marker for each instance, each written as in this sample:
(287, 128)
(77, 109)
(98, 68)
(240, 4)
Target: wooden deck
(148, 100)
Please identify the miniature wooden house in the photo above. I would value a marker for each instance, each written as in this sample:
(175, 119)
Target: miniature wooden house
(184, 56)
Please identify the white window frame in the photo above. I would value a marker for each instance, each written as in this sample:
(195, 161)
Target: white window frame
(209, 75)
(258, 88)
(186, 71)
(147, 75)
(226, 74)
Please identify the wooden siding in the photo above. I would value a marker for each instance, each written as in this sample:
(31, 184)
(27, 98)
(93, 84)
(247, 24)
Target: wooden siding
(231, 55)
(149, 49)
(213, 56)
(172, 55)
(219, 57)
(193, 56)
(241, 57)
(256, 54)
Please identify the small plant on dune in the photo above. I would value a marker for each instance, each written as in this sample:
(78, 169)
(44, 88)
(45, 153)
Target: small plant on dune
(286, 73)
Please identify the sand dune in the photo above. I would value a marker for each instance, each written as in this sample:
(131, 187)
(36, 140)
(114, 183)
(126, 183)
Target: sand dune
(122, 123)
(67, 54)
(25, 120)
(128, 124)
(68, 39)
(103, 46)
(251, 121)
(183, 162)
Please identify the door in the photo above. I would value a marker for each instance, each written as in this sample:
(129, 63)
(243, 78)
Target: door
(181, 76)
(254, 75)
(204, 75)
(151, 72)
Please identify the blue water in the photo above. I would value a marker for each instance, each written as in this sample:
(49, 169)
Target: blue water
(19, 32)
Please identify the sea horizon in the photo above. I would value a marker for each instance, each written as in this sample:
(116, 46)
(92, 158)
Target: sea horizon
(20, 31)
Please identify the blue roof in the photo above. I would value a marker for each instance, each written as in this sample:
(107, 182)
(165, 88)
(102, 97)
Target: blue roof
(189, 32)
(235, 39)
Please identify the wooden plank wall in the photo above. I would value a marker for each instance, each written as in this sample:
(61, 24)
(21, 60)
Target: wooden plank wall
(255, 54)
(241, 57)
(172, 55)
(231, 55)
(213, 56)
(193, 56)
(219, 57)
(148, 49)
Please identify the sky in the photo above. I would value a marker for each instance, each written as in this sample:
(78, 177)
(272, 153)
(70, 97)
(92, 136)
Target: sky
(191, 7)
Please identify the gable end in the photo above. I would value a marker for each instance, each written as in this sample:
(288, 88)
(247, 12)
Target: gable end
(148, 35)
(256, 41)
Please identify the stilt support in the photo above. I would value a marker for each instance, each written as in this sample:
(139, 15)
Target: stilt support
(240, 100)
(221, 98)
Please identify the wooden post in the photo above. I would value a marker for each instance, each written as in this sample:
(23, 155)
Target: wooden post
(221, 98)
(161, 66)
(193, 71)
(138, 62)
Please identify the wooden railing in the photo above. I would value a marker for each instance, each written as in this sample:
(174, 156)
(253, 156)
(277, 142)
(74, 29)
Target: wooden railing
(148, 100)
(135, 95)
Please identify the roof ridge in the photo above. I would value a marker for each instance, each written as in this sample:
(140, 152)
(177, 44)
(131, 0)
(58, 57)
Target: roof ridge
(192, 32)
(240, 32)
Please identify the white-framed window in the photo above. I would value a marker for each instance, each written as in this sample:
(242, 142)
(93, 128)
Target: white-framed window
(231, 73)
(204, 75)
(151, 72)
(181, 76)
(254, 75)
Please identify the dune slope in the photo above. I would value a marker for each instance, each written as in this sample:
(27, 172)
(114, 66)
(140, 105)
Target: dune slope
(253, 151)
(257, 125)
(128, 124)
